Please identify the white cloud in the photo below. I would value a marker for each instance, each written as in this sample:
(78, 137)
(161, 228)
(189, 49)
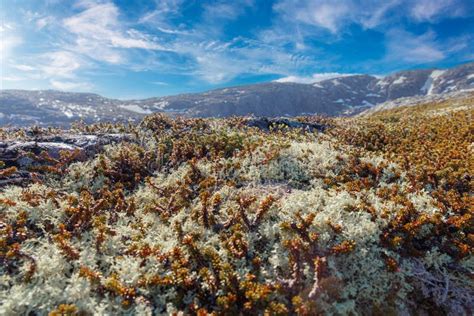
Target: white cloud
(70, 85)
(326, 15)
(98, 51)
(7, 44)
(61, 64)
(201, 51)
(217, 62)
(59, 67)
(9, 40)
(323, 13)
(429, 10)
(44, 21)
(225, 10)
(317, 77)
(12, 78)
(159, 83)
(25, 68)
(335, 15)
(214, 68)
(407, 47)
(374, 14)
(86, 4)
(300, 19)
(164, 10)
(53, 65)
(160, 18)
(100, 35)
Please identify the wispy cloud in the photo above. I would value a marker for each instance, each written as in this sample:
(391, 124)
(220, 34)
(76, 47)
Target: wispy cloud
(326, 14)
(100, 35)
(59, 68)
(221, 61)
(208, 54)
(12, 78)
(335, 15)
(159, 83)
(225, 10)
(317, 77)
(429, 10)
(23, 67)
(71, 85)
(403, 46)
(61, 64)
(44, 21)
(160, 17)
(9, 40)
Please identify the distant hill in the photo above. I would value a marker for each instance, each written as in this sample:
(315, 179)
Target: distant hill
(338, 96)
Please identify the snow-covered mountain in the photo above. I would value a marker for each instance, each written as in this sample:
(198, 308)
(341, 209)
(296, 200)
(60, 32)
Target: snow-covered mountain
(338, 96)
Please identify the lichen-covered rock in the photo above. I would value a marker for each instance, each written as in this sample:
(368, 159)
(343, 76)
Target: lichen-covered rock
(36, 151)
(265, 124)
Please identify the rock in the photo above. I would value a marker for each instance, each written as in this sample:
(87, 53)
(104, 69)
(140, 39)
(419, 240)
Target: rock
(266, 124)
(90, 144)
(20, 154)
(19, 178)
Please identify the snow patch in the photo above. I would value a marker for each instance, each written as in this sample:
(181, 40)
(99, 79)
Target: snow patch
(175, 110)
(135, 108)
(400, 80)
(437, 73)
(161, 105)
(428, 86)
(68, 114)
(382, 83)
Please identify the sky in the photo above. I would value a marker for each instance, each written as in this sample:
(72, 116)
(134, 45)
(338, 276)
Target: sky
(144, 48)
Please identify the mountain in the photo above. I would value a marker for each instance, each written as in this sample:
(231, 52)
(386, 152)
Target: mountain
(338, 96)
(453, 97)
(49, 107)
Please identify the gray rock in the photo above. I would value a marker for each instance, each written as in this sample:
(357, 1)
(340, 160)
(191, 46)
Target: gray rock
(266, 124)
(19, 178)
(21, 154)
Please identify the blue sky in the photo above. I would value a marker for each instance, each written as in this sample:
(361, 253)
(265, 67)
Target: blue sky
(144, 48)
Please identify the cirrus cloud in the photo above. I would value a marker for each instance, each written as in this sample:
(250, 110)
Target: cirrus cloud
(317, 77)
(99, 33)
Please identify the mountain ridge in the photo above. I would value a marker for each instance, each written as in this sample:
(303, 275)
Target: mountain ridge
(345, 95)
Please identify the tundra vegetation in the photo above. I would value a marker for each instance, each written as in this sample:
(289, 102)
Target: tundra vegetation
(373, 216)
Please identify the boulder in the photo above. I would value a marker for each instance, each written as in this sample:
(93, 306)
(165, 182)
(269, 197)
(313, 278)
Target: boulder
(20, 153)
(265, 124)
